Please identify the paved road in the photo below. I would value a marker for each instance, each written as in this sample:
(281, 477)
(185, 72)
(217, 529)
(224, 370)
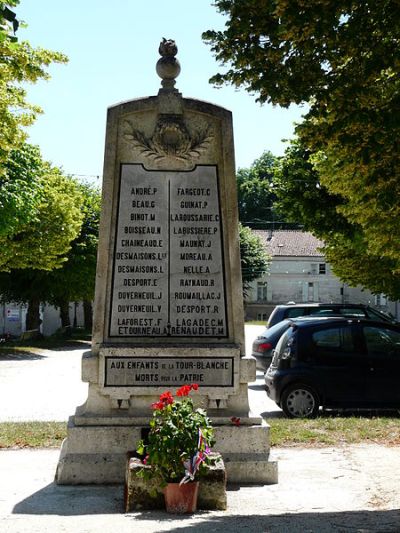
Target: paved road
(48, 386)
(345, 489)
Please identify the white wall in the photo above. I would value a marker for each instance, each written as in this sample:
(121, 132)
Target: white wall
(297, 279)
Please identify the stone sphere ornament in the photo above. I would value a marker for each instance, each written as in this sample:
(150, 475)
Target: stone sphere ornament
(168, 67)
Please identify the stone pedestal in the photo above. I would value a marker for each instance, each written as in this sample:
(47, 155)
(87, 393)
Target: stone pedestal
(168, 307)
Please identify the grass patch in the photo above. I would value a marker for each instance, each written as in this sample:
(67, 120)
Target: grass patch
(323, 431)
(32, 434)
(329, 431)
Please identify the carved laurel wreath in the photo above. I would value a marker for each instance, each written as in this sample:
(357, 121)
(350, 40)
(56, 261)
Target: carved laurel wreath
(170, 139)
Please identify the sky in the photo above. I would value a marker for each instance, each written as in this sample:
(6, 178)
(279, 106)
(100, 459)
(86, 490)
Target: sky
(112, 48)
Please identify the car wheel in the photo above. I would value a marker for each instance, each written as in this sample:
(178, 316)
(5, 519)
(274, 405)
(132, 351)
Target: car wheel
(300, 401)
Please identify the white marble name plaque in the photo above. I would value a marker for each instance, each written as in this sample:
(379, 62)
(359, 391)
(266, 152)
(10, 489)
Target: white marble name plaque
(168, 371)
(168, 274)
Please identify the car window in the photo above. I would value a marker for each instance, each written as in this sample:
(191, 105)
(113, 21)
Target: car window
(283, 347)
(377, 315)
(381, 340)
(353, 312)
(296, 311)
(280, 327)
(333, 338)
(323, 312)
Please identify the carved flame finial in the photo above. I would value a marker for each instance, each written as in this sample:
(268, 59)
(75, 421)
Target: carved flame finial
(168, 67)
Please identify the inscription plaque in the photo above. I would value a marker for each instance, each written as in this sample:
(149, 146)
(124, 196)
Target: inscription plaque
(168, 371)
(168, 277)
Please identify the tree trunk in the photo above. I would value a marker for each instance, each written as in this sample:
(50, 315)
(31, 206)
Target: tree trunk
(33, 314)
(88, 315)
(64, 314)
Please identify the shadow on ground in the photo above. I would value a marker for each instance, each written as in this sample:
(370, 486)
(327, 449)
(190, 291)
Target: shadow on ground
(257, 386)
(38, 352)
(21, 355)
(72, 500)
(100, 499)
(349, 522)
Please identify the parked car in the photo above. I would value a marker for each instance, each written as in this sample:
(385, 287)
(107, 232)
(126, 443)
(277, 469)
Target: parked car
(335, 362)
(264, 344)
(293, 310)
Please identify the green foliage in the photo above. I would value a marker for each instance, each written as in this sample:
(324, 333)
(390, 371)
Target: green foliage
(253, 257)
(342, 58)
(255, 194)
(19, 64)
(20, 193)
(303, 198)
(174, 436)
(42, 212)
(75, 280)
(297, 51)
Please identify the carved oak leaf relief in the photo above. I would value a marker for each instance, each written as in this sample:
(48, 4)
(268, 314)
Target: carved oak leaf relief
(170, 139)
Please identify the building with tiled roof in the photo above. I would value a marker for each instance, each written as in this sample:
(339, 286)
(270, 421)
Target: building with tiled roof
(299, 273)
(290, 243)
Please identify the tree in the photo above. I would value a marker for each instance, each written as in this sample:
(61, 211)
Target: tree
(253, 257)
(342, 58)
(19, 64)
(42, 212)
(20, 193)
(24, 287)
(75, 281)
(255, 194)
(303, 198)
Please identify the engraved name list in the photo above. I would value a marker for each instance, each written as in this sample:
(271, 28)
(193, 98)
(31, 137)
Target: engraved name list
(168, 277)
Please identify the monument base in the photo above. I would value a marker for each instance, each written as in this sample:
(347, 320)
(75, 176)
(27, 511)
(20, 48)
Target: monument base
(96, 454)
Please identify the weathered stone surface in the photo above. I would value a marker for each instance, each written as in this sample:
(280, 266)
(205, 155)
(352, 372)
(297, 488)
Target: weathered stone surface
(97, 453)
(168, 307)
(143, 493)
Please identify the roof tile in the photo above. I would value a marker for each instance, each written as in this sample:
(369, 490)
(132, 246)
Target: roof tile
(290, 243)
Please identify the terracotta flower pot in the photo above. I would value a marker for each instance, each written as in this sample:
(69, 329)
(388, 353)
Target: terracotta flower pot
(180, 499)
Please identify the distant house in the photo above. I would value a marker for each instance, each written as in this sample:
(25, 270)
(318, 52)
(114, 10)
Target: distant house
(13, 318)
(299, 273)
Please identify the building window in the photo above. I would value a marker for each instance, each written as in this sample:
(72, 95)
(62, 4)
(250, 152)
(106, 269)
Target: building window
(262, 317)
(313, 268)
(380, 300)
(322, 268)
(262, 291)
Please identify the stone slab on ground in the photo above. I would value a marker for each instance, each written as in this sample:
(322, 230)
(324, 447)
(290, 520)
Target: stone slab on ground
(343, 489)
(147, 493)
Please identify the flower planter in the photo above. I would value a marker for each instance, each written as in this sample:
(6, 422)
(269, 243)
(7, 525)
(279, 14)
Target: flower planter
(181, 499)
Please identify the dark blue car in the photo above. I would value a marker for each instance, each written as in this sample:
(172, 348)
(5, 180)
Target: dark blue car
(335, 362)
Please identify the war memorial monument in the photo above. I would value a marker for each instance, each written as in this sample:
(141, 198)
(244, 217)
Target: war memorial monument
(168, 308)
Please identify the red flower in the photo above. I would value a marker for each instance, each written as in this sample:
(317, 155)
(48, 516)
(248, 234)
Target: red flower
(166, 398)
(158, 405)
(184, 390)
(235, 420)
(194, 386)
